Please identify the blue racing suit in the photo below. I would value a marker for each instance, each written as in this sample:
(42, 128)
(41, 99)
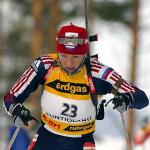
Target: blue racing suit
(67, 111)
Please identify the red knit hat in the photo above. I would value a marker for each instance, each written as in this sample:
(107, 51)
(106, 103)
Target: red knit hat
(73, 40)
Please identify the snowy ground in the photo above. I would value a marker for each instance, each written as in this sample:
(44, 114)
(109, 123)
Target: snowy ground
(112, 143)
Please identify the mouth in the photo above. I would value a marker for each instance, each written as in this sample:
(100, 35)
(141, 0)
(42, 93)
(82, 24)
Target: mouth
(70, 69)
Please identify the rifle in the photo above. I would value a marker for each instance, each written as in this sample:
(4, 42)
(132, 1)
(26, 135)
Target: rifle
(99, 109)
(92, 88)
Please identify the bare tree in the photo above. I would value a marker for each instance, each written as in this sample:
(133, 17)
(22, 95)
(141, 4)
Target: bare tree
(134, 27)
(54, 21)
(36, 44)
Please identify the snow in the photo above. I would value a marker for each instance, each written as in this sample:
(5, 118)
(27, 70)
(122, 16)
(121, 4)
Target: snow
(119, 144)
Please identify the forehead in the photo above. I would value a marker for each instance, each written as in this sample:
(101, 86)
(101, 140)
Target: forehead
(69, 55)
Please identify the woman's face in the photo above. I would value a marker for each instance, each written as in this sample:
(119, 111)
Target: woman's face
(70, 62)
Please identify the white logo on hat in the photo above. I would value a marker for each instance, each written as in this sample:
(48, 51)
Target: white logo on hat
(70, 44)
(71, 34)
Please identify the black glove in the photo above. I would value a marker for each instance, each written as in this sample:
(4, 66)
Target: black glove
(21, 115)
(122, 101)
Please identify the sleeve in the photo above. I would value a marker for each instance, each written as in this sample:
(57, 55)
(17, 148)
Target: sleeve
(28, 82)
(105, 78)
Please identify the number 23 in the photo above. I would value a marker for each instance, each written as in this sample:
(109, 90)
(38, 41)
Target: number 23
(69, 110)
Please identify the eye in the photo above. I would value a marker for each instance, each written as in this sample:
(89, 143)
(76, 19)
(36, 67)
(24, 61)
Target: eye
(64, 56)
(76, 56)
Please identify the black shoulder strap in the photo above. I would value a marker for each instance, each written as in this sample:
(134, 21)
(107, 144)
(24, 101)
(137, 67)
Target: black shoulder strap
(91, 84)
(99, 109)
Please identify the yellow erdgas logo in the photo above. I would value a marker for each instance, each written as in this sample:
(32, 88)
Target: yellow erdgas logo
(67, 87)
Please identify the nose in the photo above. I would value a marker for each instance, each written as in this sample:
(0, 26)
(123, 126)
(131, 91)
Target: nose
(70, 63)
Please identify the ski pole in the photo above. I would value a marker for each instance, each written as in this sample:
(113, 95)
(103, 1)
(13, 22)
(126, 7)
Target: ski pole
(114, 91)
(123, 124)
(13, 138)
(125, 130)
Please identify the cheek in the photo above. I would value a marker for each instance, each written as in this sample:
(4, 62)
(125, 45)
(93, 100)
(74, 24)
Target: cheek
(78, 62)
(62, 60)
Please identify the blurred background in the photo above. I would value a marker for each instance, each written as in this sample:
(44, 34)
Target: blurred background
(28, 29)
